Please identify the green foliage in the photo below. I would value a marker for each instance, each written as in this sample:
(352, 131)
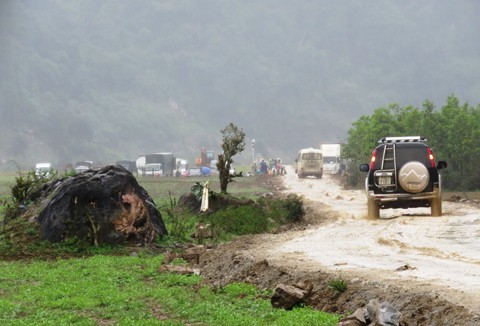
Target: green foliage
(339, 285)
(263, 216)
(233, 143)
(128, 290)
(239, 220)
(25, 185)
(197, 189)
(178, 222)
(70, 173)
(453, 133)
(294, 207)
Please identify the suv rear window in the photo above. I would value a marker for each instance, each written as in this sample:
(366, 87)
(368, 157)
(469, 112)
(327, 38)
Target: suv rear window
(404, 154)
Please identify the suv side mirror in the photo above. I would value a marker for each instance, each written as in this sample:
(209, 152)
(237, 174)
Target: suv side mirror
(441, 165)
(364, 167)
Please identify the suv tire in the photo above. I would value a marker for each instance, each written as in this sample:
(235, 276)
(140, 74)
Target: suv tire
(436, 206)
(373, 210)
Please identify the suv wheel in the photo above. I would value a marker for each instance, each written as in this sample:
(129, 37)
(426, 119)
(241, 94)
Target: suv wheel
(373, 210)
(436, 206)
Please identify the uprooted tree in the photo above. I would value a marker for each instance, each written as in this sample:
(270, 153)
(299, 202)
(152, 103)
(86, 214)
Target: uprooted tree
(98, 206)
(233, 143)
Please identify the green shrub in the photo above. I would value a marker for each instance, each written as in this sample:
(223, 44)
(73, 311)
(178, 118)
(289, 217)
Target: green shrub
(284, 210)
(338, 285)
(239, 220)
(295, 208)
(266, 214)
(25, 185)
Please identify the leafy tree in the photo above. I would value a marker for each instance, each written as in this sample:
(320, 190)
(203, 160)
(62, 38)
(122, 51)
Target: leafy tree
(233, 143)
(459, 145)
(453, 133)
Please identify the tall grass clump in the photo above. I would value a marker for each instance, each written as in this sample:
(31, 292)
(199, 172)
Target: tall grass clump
(264, 215)
(239, 220)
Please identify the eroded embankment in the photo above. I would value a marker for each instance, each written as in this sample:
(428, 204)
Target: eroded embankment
(239, 261)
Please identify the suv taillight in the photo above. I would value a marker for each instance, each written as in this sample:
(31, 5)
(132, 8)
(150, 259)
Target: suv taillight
(430, 157)
(372, 160)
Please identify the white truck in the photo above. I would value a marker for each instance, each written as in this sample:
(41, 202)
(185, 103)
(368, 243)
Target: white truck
(332, 163)
(167, 161)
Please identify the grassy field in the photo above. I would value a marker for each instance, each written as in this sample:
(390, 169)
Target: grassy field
(128, 290)
(160, 188)
(51, 284)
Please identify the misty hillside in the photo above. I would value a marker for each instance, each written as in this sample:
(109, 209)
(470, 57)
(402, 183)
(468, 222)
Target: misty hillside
(109, 80)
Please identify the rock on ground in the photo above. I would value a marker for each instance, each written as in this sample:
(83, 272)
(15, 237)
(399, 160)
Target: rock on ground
(105, 205)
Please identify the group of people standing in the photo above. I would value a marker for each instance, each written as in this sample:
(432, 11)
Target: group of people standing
(273, 167)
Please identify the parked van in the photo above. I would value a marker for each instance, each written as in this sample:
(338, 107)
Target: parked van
(309, 163)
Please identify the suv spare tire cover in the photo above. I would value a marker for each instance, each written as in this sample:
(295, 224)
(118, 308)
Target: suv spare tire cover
(413, 177)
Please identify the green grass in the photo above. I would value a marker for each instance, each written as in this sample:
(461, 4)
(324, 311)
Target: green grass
(7, 180)
(128, 290)
(159, 188)
(43, 283)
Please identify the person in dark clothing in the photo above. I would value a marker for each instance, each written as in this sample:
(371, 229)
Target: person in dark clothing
(263, 167)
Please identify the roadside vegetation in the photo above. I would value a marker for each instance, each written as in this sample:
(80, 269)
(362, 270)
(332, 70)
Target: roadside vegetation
(452, 132)
(67, 283)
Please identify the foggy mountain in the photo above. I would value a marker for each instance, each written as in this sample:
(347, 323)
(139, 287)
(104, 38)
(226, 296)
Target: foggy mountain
(109, 80)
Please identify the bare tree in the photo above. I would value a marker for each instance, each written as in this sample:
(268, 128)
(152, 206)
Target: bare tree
(233, 143)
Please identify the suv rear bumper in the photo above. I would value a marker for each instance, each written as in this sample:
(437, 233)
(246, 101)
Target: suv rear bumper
(381, 198)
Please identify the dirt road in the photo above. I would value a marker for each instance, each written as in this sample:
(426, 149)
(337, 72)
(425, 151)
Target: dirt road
(408, 245)
(429, 266)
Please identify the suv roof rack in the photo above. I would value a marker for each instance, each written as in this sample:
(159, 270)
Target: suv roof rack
(404, 139)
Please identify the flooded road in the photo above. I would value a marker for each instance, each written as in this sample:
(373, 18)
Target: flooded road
(405, 245)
